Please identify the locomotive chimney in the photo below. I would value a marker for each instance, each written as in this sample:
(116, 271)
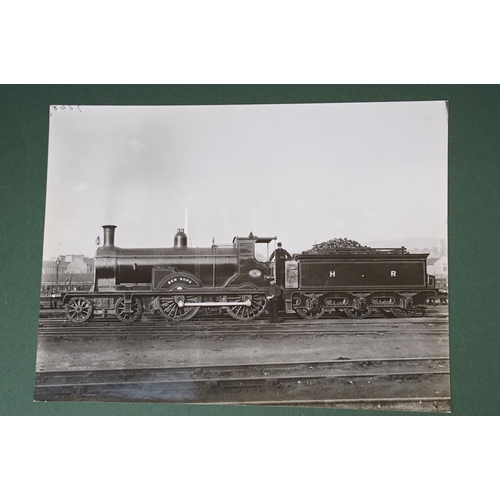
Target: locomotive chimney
(109, 236)
(180, 239)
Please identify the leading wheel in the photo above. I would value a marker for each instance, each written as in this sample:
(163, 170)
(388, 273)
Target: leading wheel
(243, 312)
(128, 310)
(310, 313)
(358, 313)
(79, 309)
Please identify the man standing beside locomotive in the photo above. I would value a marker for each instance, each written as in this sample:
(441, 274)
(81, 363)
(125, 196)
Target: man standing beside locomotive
(281, 256)
(273, 296)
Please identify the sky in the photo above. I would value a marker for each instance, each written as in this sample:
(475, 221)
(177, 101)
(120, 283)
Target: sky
(305, 173)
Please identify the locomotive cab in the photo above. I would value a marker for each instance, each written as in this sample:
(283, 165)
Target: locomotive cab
(253, 257)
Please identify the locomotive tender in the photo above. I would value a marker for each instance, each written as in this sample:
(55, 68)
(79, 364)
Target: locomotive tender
(176, 282)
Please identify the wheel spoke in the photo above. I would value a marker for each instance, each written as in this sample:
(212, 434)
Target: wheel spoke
(358, 313)
(404, 313)
(79, 309)
(127, 316)
(310, 313)
(170, 310)
(243, 312)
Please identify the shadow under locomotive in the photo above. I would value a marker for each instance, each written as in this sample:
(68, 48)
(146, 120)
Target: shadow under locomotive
(177, 282)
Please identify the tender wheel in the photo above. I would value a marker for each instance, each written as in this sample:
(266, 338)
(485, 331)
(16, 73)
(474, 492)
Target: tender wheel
(358, 313)
(407, 313)
(173, 308)
(246, 313)
(310, 313)
(387, 312)
(128, 311)
(79, 309)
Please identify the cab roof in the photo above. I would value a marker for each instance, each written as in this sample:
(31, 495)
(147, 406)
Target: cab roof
(255, 239)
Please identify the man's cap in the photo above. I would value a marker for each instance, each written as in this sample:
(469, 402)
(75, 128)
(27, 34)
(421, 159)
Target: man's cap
(279, 243)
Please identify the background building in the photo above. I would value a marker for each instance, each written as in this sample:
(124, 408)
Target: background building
(74, 272)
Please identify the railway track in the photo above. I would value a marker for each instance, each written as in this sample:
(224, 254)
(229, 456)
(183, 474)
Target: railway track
(58, 314)
(282, 383)
(430, 404)
(378, 362)
(58, 329)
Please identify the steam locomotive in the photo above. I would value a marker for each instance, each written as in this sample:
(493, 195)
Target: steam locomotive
(177, 282)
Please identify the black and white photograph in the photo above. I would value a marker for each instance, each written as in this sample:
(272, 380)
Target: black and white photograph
(271, 255)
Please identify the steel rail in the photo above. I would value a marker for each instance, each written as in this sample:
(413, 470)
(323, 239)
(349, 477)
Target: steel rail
(232, 366)
(214, 316)
(83, 383)
(289, 323)
(246, 381)
(263, 332)
(48, 379)
(148, 319)
(310, 402)
(60, 316)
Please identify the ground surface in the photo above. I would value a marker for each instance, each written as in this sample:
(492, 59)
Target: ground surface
(202, 344)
